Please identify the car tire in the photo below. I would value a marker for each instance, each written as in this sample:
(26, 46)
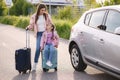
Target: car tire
(76, 59)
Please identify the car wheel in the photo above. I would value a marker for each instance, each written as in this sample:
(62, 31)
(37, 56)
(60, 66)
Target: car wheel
(76, 59)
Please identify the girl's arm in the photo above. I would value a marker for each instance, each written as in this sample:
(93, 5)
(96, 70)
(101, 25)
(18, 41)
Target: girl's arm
(57, 39)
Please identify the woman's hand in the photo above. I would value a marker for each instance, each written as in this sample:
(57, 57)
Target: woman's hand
(27, 28)
(56, 46)
(41, 49)
(35, 34)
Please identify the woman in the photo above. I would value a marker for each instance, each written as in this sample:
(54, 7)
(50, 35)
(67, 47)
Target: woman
(38, 22)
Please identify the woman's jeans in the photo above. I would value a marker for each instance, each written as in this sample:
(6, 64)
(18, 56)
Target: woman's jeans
(49, 51)
(38, 40)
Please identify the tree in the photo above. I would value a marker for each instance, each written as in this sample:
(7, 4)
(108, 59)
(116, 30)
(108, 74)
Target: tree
(112, 2)
(20, 7)
(115, 2)
(90, 3)
(14, 1)
(2, 7)
(27, 8)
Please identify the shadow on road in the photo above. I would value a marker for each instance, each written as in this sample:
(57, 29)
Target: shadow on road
(21, 76)
(33, 75)
(98, 76)
(49, 76)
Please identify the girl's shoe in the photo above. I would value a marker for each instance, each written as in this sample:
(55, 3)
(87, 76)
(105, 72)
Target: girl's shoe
(49, 63)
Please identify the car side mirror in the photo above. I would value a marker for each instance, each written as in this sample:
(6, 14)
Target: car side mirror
(102, 27)
(117, 31)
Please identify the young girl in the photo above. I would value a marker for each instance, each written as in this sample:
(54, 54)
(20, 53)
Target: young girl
(49, 42)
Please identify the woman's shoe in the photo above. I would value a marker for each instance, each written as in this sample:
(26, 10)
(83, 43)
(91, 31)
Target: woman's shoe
(34, 67)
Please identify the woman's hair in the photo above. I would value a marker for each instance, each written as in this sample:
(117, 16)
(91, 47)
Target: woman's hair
(53, 29)
(38, 10)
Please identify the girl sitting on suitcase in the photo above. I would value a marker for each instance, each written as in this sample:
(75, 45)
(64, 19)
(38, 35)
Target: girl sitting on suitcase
(49, 43)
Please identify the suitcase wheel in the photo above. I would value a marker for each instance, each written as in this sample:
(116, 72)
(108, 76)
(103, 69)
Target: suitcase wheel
(29, 70)
(45, 70)
(55, 68)
(19, 72)
(24, 72)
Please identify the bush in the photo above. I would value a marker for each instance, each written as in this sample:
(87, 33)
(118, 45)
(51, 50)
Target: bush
(63, 27)
(11, 20)
(65, 13)
(22, 22)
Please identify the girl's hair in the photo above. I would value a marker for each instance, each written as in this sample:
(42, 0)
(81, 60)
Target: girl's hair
(38, 10)
(53, 29)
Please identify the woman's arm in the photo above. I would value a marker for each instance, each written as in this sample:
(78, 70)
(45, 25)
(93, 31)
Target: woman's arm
(32, 22)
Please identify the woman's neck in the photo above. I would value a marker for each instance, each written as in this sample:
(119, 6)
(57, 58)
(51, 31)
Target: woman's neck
(40, 14)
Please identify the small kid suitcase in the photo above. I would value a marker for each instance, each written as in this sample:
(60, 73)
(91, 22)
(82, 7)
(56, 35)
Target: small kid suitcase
(23, 57)
(54, 62)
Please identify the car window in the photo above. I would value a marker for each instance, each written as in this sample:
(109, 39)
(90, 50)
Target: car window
(113, 21)
(97, 18)
(87, 18)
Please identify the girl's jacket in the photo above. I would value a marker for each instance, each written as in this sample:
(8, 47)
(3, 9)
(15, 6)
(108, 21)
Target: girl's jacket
(55, 40)
(33, 25)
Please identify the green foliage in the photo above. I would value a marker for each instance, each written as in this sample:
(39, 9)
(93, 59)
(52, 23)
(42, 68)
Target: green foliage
(23, 22)
(16, 21)
(63, 27)
(90, 4)
(65, 13)
(9, 20)
(115, 2)
(3, 7)
(27, 8)
(14, 1)
(21, 7)
(112, 2)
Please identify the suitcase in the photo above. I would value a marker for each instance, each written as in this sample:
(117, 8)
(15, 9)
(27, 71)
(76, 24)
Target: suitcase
(23, 57)
(54, 62)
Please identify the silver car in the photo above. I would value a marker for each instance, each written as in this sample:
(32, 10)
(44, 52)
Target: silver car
(95, 40)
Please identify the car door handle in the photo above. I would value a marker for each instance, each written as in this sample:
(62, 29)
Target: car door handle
(80, 33)
(101, 41)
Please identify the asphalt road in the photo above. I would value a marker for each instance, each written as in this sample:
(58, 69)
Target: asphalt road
(12, 38)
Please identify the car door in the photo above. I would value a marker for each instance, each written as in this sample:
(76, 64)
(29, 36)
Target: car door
(110, 44)
(90, 34)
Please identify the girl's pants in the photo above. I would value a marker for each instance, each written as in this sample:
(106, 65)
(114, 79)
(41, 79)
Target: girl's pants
(49, 48)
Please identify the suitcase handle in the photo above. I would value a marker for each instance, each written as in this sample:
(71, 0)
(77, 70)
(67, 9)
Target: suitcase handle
(27, 38)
